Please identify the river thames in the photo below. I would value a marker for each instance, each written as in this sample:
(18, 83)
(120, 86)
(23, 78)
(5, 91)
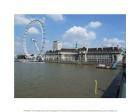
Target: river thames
(52, 80)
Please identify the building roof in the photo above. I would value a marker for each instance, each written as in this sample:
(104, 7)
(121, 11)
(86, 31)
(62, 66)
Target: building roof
(67, 50)
(105, 49)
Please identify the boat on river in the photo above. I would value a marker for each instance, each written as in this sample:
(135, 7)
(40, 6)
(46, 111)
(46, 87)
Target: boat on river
(103, 66)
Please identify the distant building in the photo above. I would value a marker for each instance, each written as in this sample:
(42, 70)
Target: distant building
(57, 45)
(106, 55)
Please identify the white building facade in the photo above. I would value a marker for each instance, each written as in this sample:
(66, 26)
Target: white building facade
(106, 55)
(57, 45)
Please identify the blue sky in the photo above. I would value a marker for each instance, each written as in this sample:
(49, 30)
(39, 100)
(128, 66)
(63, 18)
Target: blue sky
(87, 30)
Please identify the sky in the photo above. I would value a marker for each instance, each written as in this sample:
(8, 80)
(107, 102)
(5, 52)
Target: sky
(87, 30)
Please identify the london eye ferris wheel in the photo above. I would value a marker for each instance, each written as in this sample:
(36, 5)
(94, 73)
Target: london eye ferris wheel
(33, 45)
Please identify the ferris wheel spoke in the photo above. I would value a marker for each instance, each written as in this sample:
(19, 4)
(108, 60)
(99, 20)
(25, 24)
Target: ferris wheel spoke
(38, 46)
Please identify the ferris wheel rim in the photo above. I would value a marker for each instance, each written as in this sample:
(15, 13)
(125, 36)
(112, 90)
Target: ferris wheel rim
(41, 25)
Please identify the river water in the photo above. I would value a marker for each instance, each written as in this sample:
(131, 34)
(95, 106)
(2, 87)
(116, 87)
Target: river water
(52, 80)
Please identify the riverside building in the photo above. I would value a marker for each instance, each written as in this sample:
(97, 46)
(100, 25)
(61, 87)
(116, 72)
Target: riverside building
(105, 55)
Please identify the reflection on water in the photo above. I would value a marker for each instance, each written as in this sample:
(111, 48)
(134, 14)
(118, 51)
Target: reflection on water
(48, 80)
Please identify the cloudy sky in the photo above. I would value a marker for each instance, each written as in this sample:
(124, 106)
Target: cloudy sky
(86, 30)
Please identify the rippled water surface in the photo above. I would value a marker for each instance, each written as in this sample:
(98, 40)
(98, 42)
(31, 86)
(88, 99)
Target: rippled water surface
(48, 80)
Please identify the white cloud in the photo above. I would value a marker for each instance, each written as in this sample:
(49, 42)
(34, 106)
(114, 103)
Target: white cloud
(33, 30)
(43, 19)
(48, 45)
(94, 24)
(18, 48)
(79, 34)
(67, 44)
(17, 43)
(21, 19)
(56, 17)
(112, 42)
